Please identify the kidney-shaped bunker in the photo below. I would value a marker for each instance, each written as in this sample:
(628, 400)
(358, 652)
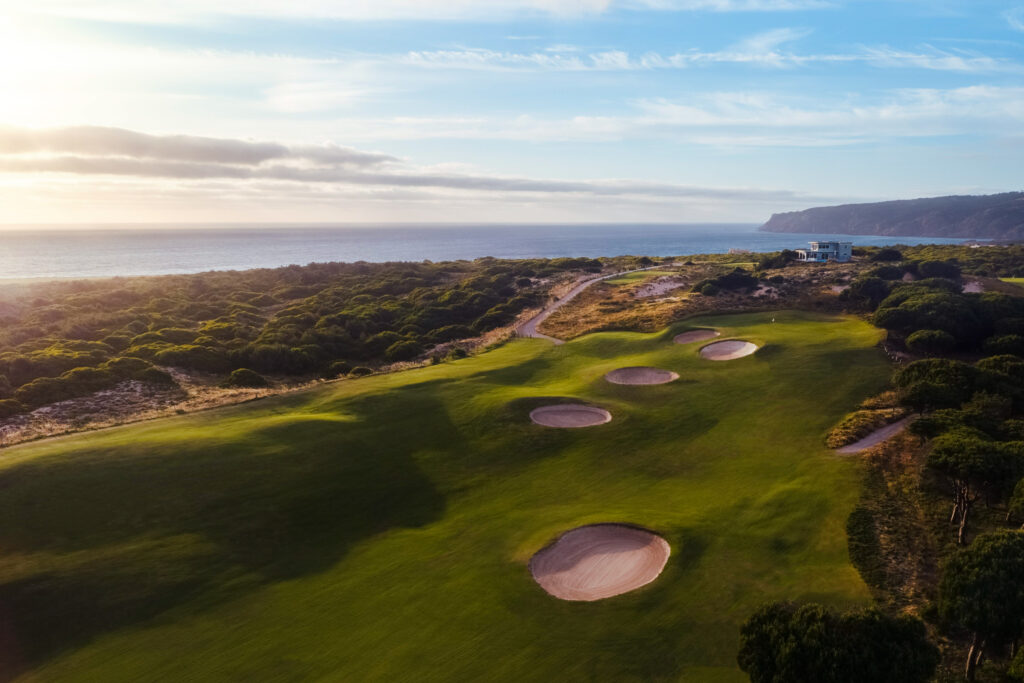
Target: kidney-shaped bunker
(728, 350)
(570, 415)
(641, 375)
(598, 561)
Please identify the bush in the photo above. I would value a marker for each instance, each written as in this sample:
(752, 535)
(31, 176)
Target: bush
(887, 254)
(858, 424)
(337, 369)
(41, 391)
(153, 375)
(886, 272)
(126, 367)
(1005, 344)
(709, 289)
(403, 350)
(244, 377)
(360, 371)
(943, 269)
(9, 407)
(931, 342)
(192, 356)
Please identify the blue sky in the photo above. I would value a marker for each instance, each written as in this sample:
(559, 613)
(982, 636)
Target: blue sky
(508, 110)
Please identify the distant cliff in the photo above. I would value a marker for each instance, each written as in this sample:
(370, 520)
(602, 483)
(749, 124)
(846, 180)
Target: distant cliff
(996, 216)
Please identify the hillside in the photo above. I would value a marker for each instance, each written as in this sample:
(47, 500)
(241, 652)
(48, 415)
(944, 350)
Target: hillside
(997, 216)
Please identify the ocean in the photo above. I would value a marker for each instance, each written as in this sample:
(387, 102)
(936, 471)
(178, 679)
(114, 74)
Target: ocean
(101, 251)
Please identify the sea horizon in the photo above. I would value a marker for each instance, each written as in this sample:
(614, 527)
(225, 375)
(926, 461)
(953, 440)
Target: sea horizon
(109, 251)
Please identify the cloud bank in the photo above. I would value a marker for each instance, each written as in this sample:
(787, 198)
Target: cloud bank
(86, 151)
(183, 11)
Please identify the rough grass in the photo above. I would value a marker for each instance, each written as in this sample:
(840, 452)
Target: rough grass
(379, 529)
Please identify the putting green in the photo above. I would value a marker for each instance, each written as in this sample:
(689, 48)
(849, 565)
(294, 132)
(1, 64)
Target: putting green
(381, 529)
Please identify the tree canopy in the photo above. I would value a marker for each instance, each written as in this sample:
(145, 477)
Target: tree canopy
(787, 643)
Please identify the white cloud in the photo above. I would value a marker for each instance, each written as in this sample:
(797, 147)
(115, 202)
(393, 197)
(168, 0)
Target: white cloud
(740, 119)
(1015, 18)
(108, 152)
(161, 11)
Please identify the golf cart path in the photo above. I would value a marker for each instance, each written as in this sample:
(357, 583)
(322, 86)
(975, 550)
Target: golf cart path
(876, 437)
(529, 328)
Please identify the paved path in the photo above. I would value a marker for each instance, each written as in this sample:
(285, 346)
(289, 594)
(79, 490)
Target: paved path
(876, 437)
(529, 328)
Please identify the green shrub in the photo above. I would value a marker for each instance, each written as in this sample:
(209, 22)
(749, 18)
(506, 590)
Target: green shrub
(943, 269)
(244, 377)
(931, 342)
(192, 356)
(360, 371)
(709, 289)
(125, 366)
(9, 407)
(118, 342)
(860, 423)
(886, 272)
(153, 375)
(403, 350)
(41, 391)
(1005, 344)
(337, 369)
(886, 254)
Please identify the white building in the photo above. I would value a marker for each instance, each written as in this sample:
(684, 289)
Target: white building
(822, 252)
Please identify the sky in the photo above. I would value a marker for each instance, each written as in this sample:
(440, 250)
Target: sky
(503, 111)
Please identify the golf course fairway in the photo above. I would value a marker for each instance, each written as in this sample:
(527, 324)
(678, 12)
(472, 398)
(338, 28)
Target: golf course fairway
(380, 529)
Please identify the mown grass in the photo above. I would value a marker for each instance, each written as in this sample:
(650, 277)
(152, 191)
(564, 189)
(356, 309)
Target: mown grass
(637, 277)
(379, 529)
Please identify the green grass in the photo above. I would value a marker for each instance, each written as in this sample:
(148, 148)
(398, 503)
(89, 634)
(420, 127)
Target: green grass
(1013, 280)
(379, 529)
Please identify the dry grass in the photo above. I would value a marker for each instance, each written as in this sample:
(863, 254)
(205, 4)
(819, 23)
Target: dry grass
(614, 306)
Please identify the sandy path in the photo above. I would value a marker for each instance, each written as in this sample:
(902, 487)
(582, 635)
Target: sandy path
(570, 416)
(728, 350)
(876, 437)
(641, 375)
(529, 328)
(695, 336)
(599, 561)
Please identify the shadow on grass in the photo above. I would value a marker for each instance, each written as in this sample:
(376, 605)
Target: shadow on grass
(114, 538)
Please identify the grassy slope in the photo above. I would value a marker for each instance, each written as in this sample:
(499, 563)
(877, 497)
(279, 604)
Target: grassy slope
(379, 529)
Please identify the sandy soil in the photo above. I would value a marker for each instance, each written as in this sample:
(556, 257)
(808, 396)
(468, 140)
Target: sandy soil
(974, 287)
(570, 416)
(876, 437)
(696, 336)
(641, 375)
(598, 561)
(728, 350)
(663, 285)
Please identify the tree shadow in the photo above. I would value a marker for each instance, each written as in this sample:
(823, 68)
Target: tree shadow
(116, 537)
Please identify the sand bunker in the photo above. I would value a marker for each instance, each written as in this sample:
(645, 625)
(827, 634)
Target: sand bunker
(728, 350)
(599, 561)
(695, 336)
(641, 375)
(569, 416)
